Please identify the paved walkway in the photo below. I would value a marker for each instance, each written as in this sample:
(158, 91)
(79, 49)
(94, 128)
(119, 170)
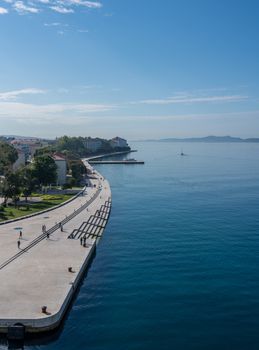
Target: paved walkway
(36, 274)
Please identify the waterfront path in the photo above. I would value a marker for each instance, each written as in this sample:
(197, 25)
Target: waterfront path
(37, 274)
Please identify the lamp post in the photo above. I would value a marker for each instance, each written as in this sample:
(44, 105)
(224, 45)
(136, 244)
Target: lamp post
(1, 188)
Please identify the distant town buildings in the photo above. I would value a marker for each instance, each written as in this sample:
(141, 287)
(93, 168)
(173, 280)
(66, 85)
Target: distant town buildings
(118, 142)
(83, 146)
(93, 144)
(20, 160)
(28, 146)
(61, 168)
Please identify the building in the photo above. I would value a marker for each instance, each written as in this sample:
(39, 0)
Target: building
(20, 160)
(92, 145)
(118, 142)
(28, 146)
(61, 164)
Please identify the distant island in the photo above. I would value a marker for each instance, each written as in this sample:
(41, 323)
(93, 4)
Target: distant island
(207, 139)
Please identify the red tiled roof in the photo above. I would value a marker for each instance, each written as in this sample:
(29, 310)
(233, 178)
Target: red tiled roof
(58, 156)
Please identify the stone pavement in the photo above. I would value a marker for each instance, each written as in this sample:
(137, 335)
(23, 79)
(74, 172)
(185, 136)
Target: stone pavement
(37, 274)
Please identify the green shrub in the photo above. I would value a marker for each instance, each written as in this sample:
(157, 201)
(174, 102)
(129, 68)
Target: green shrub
(53, 197)
(66, 186)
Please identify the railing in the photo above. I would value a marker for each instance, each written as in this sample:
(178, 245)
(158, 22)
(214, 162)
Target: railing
(51, 230)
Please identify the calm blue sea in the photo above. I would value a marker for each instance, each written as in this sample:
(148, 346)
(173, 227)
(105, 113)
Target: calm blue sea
(178, 266)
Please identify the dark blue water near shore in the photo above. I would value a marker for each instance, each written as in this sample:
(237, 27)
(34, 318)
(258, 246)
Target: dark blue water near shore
(178, 266)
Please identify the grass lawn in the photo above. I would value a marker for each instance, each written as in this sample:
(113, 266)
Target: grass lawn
(47, 202)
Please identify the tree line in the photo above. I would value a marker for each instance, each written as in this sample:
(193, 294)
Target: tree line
(25, 180)
(42, 171)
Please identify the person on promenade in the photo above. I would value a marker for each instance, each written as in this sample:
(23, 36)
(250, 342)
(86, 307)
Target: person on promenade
(61, 227)
(20, 235)
(18, 244)
(81, 240)
(84, 241)
(47, 235)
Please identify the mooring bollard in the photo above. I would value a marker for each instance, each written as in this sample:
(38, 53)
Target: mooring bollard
(44, 309)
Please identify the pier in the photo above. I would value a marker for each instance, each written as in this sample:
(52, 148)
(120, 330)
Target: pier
(39, 277)
(106, 155)
(99, 159)
(116, 161)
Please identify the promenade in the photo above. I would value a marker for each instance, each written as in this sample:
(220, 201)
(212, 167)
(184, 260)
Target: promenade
(47, 267)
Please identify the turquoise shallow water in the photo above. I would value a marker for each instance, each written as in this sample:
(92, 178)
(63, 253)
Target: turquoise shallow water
(178, 266)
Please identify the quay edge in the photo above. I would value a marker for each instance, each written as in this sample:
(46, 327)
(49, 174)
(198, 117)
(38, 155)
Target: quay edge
(64, 290)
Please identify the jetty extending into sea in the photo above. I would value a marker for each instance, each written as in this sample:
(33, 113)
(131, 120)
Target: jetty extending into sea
(101, 159)
(39, 278)
(127, 162)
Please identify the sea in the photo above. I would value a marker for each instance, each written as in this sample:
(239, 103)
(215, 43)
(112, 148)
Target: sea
(178, 265)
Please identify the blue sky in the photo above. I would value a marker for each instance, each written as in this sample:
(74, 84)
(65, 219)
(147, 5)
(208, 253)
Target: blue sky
(135, 68)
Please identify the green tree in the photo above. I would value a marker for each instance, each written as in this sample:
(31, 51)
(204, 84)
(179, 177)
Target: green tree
(48, 150)
(8, 156)
(77, 170)
(45, 170)
(28, 181)
(12, 187)
(72, 144)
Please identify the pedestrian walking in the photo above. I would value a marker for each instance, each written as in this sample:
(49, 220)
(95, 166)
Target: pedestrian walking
(20, 235)
(47, 235)
(18, 244)
(81, 240)
(84, 241)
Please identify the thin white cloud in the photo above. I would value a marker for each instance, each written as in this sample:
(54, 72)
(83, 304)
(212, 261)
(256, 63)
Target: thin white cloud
(89, 4)
(83, 31)
(195, 99)
(3, 11)
(181, 117)
(15, 110)
(54, 24)
(21, 8)
(62, 9)
(12, 95)
(60, 6)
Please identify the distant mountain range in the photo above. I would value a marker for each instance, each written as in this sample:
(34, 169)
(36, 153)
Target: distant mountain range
(207, 139)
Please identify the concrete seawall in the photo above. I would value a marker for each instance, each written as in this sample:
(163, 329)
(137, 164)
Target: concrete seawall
(38, 281)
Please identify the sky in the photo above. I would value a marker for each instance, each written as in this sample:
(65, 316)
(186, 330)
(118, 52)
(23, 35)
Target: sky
(138, 69)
